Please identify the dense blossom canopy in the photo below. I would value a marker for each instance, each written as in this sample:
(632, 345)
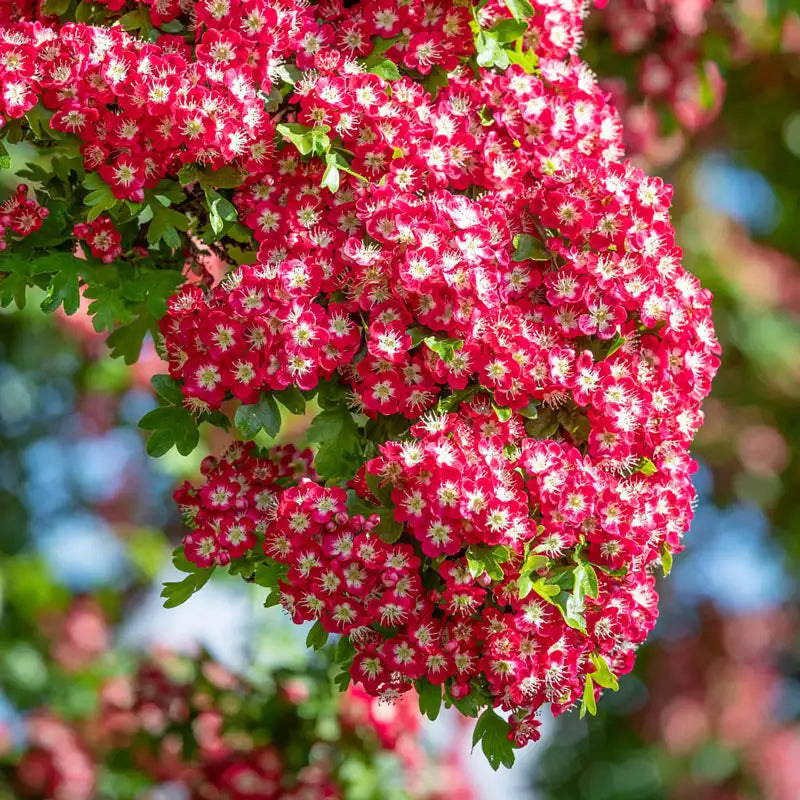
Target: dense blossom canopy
(451, 244)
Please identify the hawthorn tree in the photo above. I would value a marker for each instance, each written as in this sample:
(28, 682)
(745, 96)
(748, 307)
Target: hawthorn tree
(437, 250)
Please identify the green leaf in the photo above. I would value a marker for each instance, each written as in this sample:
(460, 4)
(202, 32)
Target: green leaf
(615, 344)
(524, 586)
(383, 494)
(308, 141)
(168, 388)
(545, 590)
(171, 190)
(528, 247)
(345, 651)
(454, 399)
(587, 577)
(244, 566)
(520, 9)
(38, 119)
(666, 560)
(602, 675)
(269, 573)
(492, 731)
(64, 288)
(437, 79)
(337, 163)
(418, 335)
(135, 20)
(443, 347)
(331, 177)
(5, 158)
(544, 425)
(588, 702)
(572, 604)
(159, 285)
(173, 26)
(388, 529)
(337, 436)
(379, 47)
(531, 411)
(187, 174)
(216, 418)
(85, 12)
(165, 224)
(469, 705)
(357, 505)
(292, 399)
(126, 342)
(502, 413)
(170, 426)
(490, 52)
(646, 467)
(533, 563)
(481, 558)
(386, 69)
(317, 636)
(107, 307)
(527, 59)
(430, 698)
(330, 394)
(263, 414)
(176, 593)
(14, 285)
(221, 213)
(182, 563)
(508, 30)
(224, 178)
(100, 197)
(273, 599)
(342, 680)
(288, 73)
(575, 422)
(240, 256)
(34, 172)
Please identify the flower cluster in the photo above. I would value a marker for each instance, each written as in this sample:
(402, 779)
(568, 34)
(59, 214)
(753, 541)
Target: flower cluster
(143, 110)
(670, 71)
(104, 240)
(483, 250)
(226, 765)
(20, 215)
(56, 763)
(446, 227)
(194, 724)
(228, 511)
(404, 249)
(483, 590)
(512, 524)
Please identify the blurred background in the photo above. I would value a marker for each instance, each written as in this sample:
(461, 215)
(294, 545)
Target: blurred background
(95, 700)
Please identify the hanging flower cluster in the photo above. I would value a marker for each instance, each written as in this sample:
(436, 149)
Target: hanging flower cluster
(229, 509)
(20, 216)
(477, 262)
(524, 566)
(450, 254)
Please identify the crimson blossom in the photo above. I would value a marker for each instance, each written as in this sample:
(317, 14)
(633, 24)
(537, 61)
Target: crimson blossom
(453, 259)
